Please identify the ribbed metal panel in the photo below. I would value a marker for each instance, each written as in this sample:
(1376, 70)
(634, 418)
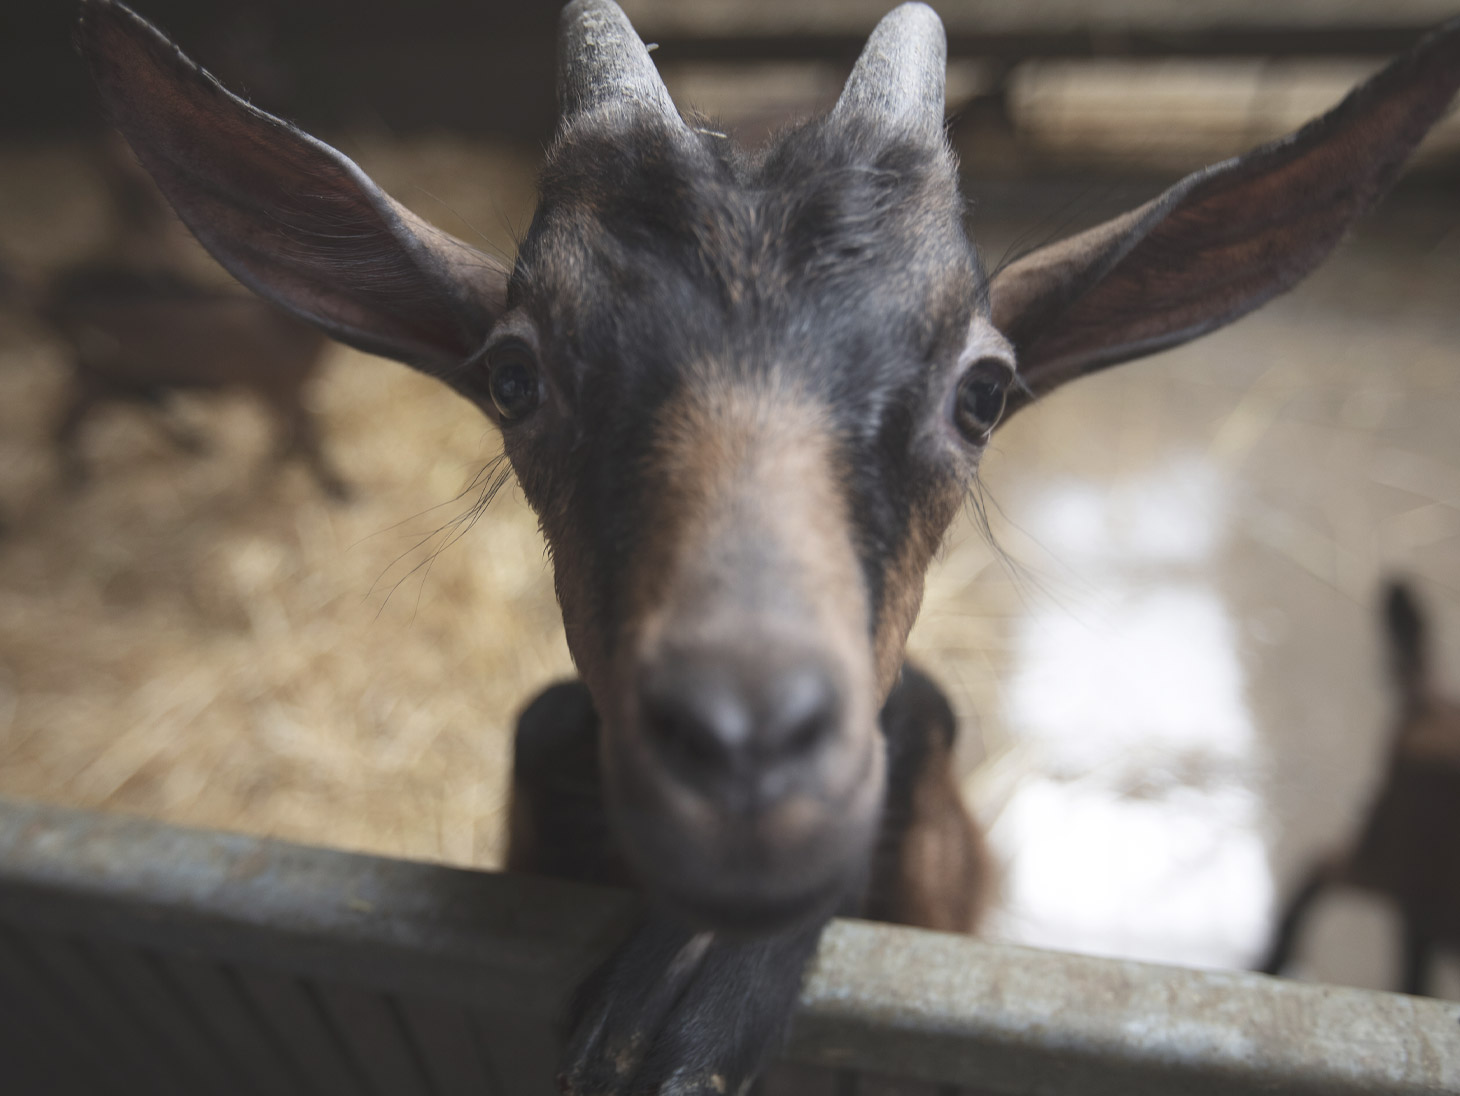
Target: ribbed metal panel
(141, 958)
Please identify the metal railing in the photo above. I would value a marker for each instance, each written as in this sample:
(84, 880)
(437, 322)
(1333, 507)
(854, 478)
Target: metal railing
(140, 957)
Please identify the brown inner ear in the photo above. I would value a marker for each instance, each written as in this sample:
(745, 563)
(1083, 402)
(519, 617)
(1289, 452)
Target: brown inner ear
(1224, 240)
(292, 218)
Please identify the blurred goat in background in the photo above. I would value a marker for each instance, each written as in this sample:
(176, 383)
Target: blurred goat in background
(138, 329)
(1409, 847)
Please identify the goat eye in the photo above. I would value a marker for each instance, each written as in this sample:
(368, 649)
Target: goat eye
(980, 399)
(514, 382)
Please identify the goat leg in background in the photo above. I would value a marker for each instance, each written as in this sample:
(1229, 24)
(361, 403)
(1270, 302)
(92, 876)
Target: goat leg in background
(178, 433)
(299, 438)
(1295, 914)
(79, 403)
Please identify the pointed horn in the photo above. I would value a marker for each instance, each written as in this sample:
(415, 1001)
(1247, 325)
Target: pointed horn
(602, 64)
(899, 79)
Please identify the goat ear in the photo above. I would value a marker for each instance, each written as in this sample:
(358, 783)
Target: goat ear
(1224, 240)
(289, 216)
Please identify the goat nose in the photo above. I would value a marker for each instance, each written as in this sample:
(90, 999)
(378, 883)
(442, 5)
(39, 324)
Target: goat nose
(739, 726)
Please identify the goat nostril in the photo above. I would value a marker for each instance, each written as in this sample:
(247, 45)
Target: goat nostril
(806, 736)
(717, 720)
(804, 714)
(686, 739)
(694, 719)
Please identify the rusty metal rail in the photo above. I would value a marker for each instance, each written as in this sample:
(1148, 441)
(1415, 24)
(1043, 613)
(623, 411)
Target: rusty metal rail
(140, 957)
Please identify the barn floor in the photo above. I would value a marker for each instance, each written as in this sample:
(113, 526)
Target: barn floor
(1170, 670)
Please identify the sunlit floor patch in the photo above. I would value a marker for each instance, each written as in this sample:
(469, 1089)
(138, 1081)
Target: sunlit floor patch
(1178, 876)
(1133, 828)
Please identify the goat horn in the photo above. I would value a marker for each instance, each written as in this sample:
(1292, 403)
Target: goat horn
(899, 79)
(603, 65)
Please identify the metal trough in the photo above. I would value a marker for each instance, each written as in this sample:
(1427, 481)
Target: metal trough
(137, 957)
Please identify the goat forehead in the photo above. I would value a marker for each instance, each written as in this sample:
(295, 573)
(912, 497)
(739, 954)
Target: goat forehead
(646, 247)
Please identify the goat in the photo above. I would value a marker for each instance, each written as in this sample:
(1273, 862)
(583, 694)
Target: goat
(138, 330)
(138, 336)
(1408, 849)
(746, 395)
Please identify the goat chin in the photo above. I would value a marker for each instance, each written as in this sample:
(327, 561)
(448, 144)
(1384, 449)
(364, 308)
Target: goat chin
(744, 872)
(741, 913)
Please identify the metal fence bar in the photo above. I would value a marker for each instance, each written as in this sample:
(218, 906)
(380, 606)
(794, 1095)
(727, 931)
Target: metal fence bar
(1009, 1019)
(481, 938)
(942, 1010)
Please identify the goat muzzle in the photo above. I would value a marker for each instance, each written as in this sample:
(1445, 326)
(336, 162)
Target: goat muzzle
(746, 790)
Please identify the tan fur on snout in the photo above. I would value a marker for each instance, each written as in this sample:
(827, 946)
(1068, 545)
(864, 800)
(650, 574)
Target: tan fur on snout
(750, 522)
(751, 543)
